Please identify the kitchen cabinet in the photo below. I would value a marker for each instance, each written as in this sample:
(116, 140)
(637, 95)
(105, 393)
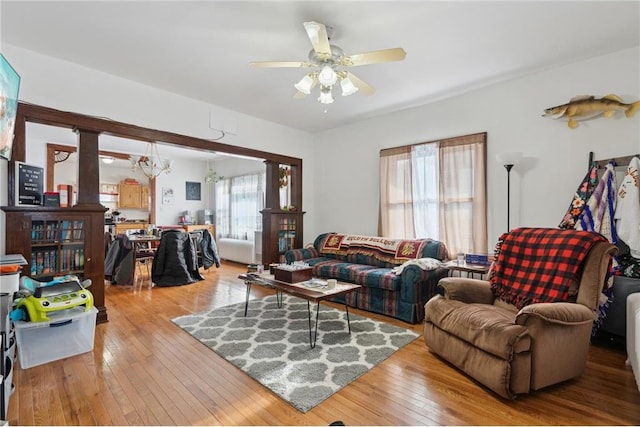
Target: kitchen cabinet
(133, 196)
(144, 196)
(123, 227)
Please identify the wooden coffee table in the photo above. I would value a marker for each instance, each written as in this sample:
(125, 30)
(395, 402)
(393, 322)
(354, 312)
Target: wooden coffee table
(300, 290)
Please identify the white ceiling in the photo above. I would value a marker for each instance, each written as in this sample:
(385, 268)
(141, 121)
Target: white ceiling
(202, 49)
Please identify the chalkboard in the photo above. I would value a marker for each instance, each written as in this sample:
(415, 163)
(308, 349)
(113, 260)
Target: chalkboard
(193, 190)
(29, 184)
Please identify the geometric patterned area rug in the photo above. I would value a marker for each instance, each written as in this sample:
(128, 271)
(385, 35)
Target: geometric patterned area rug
(271, 345)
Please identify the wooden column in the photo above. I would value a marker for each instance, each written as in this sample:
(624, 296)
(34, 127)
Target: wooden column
(88, 168)
(88, 182)
(272, 186)
(296, 186)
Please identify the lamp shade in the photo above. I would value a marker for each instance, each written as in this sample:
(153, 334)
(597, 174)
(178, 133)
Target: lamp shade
(325, 95)
(348, 88)
(509, 158)
(327, 76)
(304, 85)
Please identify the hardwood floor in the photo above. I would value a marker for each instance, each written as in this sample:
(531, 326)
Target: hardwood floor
(144, 370)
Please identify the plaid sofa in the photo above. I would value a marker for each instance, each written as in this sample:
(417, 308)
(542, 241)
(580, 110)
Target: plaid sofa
(402, 296)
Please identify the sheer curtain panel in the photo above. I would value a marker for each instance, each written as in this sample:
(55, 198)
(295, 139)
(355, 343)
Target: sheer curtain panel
(436, 189)
(396, 199)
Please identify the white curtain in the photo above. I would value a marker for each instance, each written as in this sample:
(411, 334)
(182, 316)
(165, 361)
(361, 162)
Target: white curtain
(438, 190)
(463, 206)
(396, 203)
(424, 166)
(222, 201)
(239, 201)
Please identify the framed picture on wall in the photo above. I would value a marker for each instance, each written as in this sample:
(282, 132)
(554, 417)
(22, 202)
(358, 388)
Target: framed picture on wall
(9, 85)
(193, 190)
(167, 196)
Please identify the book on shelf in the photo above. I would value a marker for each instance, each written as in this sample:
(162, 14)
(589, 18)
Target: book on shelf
(66, 195)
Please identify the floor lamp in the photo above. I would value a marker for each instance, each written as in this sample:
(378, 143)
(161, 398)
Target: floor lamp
(509, 160)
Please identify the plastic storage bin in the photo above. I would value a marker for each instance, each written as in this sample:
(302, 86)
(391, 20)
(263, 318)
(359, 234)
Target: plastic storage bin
(68, 333)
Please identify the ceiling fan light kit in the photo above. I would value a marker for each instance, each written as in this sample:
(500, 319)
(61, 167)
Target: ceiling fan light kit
(327, 60)
(327, 76)
(348, 88)
(325, 95)
(305, 85)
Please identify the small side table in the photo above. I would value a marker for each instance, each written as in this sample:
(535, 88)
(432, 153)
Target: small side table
(470, 269)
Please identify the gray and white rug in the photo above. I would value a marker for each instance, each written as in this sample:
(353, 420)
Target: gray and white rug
(271, 345)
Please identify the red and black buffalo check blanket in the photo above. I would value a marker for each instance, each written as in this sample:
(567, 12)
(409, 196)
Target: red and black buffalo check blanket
(538, 264)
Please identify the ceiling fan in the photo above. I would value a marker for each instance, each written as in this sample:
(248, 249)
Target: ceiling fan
(328, 62)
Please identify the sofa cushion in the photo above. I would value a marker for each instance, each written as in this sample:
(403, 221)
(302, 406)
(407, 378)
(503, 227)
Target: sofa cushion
(368, 275)
(331, 268)
(484, 326)
(382, 278)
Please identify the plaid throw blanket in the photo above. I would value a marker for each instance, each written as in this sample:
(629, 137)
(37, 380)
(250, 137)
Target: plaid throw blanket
(538, 264)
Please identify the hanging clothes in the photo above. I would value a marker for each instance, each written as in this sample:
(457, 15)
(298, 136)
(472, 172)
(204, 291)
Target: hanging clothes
(627, 213)
(598, 216)
(599, 211)
(583, 193)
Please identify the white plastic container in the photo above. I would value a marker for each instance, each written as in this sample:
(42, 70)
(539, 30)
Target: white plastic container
(68, 333)
(9, 282)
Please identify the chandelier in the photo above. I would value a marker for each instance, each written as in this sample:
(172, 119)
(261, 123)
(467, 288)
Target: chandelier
(151, 164)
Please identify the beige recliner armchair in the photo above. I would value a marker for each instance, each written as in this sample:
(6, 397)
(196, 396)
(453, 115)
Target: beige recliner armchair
(514, 350)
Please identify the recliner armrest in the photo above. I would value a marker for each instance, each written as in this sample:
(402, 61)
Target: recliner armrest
(564, 313)
(467, 290)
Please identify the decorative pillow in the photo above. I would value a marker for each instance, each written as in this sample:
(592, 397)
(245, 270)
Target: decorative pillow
(332, 244)
(410, 249)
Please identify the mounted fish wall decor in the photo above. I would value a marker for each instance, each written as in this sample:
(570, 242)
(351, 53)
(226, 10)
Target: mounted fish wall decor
(587, 107)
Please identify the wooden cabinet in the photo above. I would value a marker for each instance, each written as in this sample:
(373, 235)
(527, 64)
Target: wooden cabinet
(133, 196)
(281, 231)
(144, 197)
(123, 227)
(59, 241)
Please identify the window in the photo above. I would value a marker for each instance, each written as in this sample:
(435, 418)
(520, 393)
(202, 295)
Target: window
(238, 202)
(436, 189)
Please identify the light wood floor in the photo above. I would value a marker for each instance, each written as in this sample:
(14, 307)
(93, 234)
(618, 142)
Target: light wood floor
(146, 371)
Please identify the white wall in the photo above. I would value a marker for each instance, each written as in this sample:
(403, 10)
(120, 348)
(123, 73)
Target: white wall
(181, 172)
(556, 157)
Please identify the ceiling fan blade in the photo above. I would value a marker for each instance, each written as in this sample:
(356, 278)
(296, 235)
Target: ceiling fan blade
(280, 64)
(377, 56)
(364, 88)
(299, 95)
(318, 35)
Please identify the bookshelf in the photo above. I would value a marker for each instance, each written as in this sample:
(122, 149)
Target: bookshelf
(57, 241)
(282, 230)
(57, 248)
